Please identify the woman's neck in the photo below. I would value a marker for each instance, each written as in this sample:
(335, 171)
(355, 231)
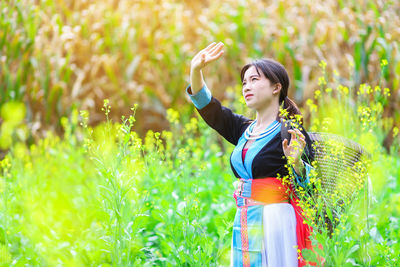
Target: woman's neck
(266, 116)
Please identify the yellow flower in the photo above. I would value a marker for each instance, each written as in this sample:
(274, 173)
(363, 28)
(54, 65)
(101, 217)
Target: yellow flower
(321, 81)
(364, 89)
(317, 93)
(311, 105)
(322, 64)
(172, 116)
(283, 113)
(395, 131)
(106, 107)
(335, 72)
(298, 118)
(191, 126)
(386, 91)
(343, 89)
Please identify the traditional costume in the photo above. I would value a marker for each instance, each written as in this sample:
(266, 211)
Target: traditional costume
(268, 229)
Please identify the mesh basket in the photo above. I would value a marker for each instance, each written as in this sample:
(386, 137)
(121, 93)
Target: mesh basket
(340, 164)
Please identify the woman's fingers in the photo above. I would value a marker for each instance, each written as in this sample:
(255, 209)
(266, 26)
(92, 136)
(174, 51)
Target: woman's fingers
(209, 49)
(301, 137)
(297, 135)
(292, 135)
(215, 50)
(212, 58)
(209, 54)
(294, 149)
(210, 46)
(204, 51)
(215, 53)
(285, 144)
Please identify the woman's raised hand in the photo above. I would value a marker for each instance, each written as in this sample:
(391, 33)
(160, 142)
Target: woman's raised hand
(295, 149)
(209, 54)
(296, 146)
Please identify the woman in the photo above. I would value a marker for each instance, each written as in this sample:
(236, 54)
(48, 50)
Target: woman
(268, 229)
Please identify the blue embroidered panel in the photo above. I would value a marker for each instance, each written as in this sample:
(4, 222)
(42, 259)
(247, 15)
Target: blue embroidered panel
(244, 170)
(254, 234)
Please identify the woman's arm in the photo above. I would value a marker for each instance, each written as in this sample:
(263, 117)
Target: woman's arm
(218, 117)
(227, 123)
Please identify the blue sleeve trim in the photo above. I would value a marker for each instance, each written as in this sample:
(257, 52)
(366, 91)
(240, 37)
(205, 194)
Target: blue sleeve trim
(202, 98)
(300, 178)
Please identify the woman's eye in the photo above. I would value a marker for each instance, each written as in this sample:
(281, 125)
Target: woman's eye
(254, 79)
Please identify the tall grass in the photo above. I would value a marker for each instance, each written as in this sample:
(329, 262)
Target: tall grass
(104, 196)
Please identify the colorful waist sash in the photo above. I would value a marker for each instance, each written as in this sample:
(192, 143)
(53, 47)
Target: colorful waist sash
(263, 191)
(252, 192)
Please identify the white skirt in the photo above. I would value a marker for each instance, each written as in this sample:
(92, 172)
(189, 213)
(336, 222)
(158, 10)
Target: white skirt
(279, 246)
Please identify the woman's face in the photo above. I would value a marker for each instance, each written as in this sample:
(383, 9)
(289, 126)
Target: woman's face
(257, 90)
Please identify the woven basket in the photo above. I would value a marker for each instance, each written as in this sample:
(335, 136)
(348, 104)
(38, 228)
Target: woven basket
(340, 164)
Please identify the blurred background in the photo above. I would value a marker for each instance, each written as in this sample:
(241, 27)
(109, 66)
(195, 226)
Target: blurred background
(57, 56)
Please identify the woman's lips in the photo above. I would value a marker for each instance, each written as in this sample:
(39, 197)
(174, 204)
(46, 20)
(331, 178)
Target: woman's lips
(248, 96)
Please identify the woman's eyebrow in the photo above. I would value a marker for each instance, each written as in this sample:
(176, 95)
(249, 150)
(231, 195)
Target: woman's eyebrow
(256, 75)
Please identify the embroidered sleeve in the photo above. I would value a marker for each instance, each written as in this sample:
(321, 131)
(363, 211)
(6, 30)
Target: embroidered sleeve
(227, 123)
(202, 98)
(303, 179)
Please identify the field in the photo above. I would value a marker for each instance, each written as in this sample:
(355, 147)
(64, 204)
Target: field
(105, 162)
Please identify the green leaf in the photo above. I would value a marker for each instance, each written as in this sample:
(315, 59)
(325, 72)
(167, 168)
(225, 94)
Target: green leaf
(352, 250)
(309, 255)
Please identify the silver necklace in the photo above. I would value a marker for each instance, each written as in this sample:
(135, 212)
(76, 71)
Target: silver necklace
(249, 135)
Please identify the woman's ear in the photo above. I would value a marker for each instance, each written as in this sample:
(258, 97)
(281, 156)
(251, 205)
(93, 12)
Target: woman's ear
(277, 88)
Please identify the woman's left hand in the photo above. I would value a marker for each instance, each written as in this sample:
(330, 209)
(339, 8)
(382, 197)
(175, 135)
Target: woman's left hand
(296, 146)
